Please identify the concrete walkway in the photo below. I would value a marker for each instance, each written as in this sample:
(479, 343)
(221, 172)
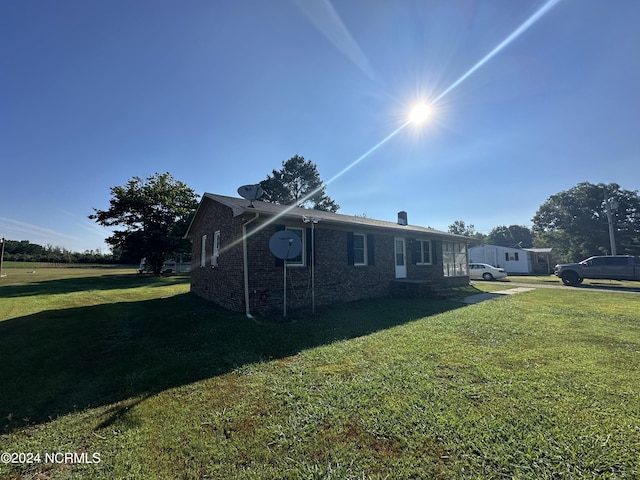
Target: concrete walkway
(481, 297)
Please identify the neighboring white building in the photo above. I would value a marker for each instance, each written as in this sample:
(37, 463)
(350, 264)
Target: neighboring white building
(513, 260)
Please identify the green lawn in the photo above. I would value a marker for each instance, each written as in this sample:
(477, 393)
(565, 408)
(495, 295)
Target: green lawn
(614, 285)
(155, 383)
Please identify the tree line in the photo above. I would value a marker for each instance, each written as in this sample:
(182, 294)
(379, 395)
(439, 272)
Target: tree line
(517, 236)
(25, 251)
(588, 219)
(154, 214)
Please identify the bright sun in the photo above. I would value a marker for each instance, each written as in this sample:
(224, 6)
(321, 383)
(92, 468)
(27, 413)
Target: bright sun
(420, 113)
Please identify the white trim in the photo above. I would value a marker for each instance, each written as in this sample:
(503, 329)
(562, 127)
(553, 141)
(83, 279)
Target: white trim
(203, 252)
(364, 250)
(216, 249)
(430, 259)
(400, 269)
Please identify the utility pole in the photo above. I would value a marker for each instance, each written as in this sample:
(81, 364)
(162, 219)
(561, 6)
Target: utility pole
(610, 204)
(2, 259)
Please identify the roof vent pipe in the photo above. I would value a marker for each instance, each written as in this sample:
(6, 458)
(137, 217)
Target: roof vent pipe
(402, 218)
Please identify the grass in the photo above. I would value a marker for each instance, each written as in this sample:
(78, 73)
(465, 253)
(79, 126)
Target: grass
(57, 267)
(552, 280)
(161, 384)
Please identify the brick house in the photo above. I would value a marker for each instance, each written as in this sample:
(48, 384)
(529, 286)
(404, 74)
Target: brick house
(355, 257)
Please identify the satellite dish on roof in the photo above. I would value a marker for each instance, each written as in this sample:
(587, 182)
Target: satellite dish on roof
(251, 192)
(285, 244)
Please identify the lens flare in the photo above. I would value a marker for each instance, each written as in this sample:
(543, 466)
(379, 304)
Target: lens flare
(420, 113)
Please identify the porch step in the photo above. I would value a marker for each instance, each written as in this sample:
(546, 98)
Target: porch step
(419, 289)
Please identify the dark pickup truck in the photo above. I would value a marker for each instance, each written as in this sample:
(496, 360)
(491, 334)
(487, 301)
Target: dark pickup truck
(614, 267)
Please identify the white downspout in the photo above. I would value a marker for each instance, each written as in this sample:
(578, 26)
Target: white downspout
(246, 264)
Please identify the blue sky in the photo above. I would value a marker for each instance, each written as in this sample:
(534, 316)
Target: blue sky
(219, 93)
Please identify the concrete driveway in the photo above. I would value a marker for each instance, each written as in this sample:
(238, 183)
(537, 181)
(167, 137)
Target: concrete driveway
(597, 286)
(481, 297)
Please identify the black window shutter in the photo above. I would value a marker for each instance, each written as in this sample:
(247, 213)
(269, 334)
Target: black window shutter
(309, 233)
(415, 251)
(279, 261)
(506, 256)
(516, 256)
(350, 259)
(435, 245)
(370, 248)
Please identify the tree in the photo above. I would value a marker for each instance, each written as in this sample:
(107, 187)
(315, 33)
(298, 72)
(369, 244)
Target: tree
(459, 227)
(155, 213)
(574, 222)
(511, 236)
(297, 183)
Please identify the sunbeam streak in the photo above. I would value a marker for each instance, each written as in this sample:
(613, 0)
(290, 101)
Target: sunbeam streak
(325, 18)
(518, 31)
(317, 190)
(362, 157)
(521, 29)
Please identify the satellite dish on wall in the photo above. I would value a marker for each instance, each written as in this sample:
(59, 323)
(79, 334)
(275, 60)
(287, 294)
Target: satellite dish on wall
(285, 244)
(251, 192)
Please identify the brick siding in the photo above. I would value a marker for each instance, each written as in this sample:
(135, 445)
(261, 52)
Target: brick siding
(335, 280)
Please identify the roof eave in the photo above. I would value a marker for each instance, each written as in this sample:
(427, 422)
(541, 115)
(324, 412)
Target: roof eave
(236, 209)
(387, 228)
(296, 213)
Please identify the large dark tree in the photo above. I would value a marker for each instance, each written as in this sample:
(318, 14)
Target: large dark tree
(155, 214)
(297, 183)
(575, 224)
(459, 227)
(511, 236)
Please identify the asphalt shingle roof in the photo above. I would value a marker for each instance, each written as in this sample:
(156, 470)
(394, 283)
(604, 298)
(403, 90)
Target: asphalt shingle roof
(240, 206)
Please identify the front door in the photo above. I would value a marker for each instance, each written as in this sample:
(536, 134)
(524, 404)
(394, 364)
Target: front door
(401, 258)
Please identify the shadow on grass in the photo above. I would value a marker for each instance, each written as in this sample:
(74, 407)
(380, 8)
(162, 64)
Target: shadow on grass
(81, 284)
(62, 361)
(604, 285)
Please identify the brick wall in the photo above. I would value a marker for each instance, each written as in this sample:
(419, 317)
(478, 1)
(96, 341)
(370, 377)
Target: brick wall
(335, 280)
(222, 284)
(430, 273)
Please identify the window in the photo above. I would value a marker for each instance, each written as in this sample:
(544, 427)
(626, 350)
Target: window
(616, 261)
(511, 256)
(422, 252)
(454, 259)
(203, 251)
(359, 249)
(299, 260)
(216, 248)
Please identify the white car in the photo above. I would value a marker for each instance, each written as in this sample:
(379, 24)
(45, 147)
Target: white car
(485, 271)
